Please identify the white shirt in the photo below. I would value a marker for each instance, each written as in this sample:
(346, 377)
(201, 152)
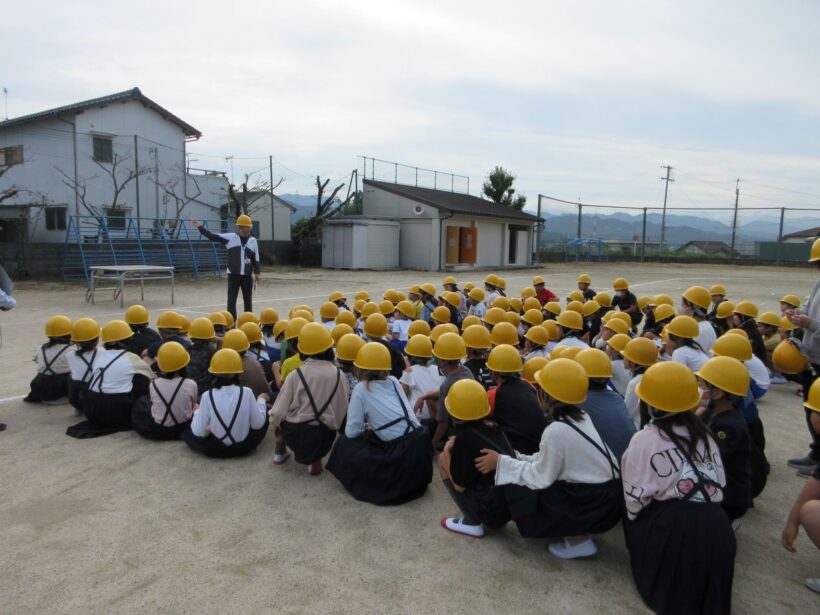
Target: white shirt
(620, 377)
(572, 341)
(379, 403)
(758, 372)
(633, 403)
(329, 325)
(690, 357)
(422, 379)
(479, 309)
(538, 352)
(119, 371)
(492, 296)
(707, 337)
(562, 455)
(56, 356)
(81, 364)
(251, 414)
(401, 326)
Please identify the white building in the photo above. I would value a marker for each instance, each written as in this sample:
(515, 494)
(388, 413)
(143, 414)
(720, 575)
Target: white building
(123, 150)
(420, 228)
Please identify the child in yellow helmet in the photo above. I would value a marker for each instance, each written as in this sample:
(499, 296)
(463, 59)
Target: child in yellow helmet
(50, 385)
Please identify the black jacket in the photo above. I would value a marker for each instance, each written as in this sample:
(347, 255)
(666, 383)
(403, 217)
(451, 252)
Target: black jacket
(242, 258)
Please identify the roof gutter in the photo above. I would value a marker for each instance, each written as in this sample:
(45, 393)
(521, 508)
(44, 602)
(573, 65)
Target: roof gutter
(440, 227)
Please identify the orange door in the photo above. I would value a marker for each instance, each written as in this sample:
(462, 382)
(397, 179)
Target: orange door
(469, 245)
(452, 245)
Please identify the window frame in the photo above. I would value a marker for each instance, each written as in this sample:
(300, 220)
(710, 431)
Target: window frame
(18, 149)
(102, 139)
(54, 220)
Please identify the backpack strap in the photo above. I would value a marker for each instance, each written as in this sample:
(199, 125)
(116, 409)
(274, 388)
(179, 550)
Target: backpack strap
(168, 403)
(318, 412)
(228, 435)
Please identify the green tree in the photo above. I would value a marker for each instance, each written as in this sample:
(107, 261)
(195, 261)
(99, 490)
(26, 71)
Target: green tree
(499, 188)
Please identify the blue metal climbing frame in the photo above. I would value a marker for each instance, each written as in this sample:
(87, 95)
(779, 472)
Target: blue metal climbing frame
(586, 249)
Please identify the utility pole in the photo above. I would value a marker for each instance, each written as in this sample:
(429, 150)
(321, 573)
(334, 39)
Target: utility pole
(6, 96)
(734, 219)
(272, 204)
(667, 179)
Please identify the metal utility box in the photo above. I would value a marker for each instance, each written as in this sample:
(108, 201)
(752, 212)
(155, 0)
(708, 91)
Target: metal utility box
(360, 243)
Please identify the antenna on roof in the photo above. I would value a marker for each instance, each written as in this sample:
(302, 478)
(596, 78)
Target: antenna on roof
(6, 96)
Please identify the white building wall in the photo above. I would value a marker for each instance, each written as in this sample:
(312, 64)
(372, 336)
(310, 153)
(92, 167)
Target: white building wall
(415, 244)
(382, 204)
(260, 211)
(490, 244)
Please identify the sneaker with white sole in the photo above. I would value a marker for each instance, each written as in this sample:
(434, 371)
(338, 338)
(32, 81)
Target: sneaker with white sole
(280, 459)
(459, 527)
(565, 550)
(813, 585)
(736, 525)
(777, 379)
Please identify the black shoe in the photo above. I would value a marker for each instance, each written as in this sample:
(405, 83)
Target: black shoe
(802, 462)
(806, 472)
(2, 427)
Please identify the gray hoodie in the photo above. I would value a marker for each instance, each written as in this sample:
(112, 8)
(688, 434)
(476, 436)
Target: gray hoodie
(811, 338)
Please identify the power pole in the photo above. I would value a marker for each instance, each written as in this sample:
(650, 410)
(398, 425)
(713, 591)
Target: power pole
(272, 204)
(734, 219)
(667, 179)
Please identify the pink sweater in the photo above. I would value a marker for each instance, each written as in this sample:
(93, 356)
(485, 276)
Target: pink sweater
(653, 468)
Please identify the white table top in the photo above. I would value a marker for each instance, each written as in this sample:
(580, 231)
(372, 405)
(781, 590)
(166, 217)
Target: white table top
(128, 268)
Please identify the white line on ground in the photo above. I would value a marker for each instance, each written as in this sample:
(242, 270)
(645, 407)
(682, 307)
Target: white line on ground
(15, 398)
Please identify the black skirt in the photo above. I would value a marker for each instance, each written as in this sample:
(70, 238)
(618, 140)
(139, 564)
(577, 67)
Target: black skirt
(213, 447)
(565, 509)
(384, 472)
(77, 390)
(308, 441)
(683, 557)
(106, 414)
(145, 425)
(48, 387)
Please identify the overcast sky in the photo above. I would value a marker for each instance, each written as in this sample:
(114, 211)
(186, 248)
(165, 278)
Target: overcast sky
(578, 99)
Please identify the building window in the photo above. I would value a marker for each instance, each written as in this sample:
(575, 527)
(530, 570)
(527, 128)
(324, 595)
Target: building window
(116, 217)
(55, 219)
(103, 149)
(11, 155)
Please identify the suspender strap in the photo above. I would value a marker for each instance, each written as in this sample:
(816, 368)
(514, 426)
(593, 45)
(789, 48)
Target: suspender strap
(410, 427)
(48, 363)
(170, 402)
(88, 364)
(228, 435)
(317, 413)
(700, 485)
(99, 376)
(616, 471)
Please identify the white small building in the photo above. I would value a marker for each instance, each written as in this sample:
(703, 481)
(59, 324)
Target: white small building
(122, 150)
(427, 229)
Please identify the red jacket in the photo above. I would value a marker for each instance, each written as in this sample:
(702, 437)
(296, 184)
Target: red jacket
(545, 296)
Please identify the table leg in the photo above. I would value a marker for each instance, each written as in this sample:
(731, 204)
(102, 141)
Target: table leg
(122, 288)
(142, 287)
(172, 288)
(93, 285)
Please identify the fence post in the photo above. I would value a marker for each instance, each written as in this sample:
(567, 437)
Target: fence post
(395, 172)
(191, 248)
(643, 236)
(435, 180)
(780, 235)
(578, 234)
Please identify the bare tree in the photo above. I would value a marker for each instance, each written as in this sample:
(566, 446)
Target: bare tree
(244, 198)
(9, 192)
(116, 178)
(326, 206)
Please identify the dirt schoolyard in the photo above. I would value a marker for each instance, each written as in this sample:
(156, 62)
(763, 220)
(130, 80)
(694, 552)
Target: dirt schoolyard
(120, 524)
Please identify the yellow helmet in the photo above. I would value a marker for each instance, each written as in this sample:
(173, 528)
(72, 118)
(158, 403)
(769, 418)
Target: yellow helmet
(228, 318)
(418, 327)
(698, 296)
(441, 314)
(337, 295)
(419, 346)
(538, 336)
(363, 295)
(661, 300)
(339, 331)
(564, 380)
(252, 332)
(329, 310)
(268, 316)
(184, 324)
(406, 308)
(172, 357)
(620, 284)
(669, 386)
(347, 347)
(595, 363)
(477, 336)
(373, 357)
(532, 366)
(616, 325)
(358, 305)
(516, 305)
(538, 280)
(468, 286)
(467, 401)
(491, 280)
(218, 318)
(527, 292)
(641, 351)
(683, 326)
(450, 347)
(740, 332)
(664, 311)
(169, 320)
(84, 330)
(604, 299)
(428, 289)
(746, 308)
(570, 320)
(501, 302)
(791, 300)
(724, 309)
(717, 289)
(583, 279)
(553, 307)
(346, 317)
(493, 316)
(569, 352)
(504, 359)
(202, 329)
(226, 361)
(618, 341)
(244, 220)
(314, 338)
(533, 317)
(576, 295)
(58, 326)
(788, 359)
(136, 315)
(375, 326)
(504, 333)
(501, 283)
(623, 316)
(815, 251)
(477, 294)
(115, 331)
(643, 302)
(391, 295)
(235, 339)
(813, 401)
(279, 328)
(293, 327)
(575, 306)
(727, 374)
(551, 327)
(470, 321)
(449, 280)
(512, 318)
(590, 307)
(386, 307)
(246, 317)
(531, 303)
(369, 308)
(787, 324)
(770, 318)
(439, 330)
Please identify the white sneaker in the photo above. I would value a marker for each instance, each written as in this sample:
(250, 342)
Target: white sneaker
(777, 379)
(736, 525)
(280, 459)
(459, 527)
(813, 584)
(75, 412)
(565, 550)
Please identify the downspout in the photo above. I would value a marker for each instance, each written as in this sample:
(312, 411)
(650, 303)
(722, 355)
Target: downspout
(74, 139)
(440, 228)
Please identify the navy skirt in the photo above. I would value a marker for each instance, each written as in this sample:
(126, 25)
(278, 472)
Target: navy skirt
(308, 441)
(105, 414)
(145, 425)
(683, 557)
(380, 472)
(213, 447)
(48, 387)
